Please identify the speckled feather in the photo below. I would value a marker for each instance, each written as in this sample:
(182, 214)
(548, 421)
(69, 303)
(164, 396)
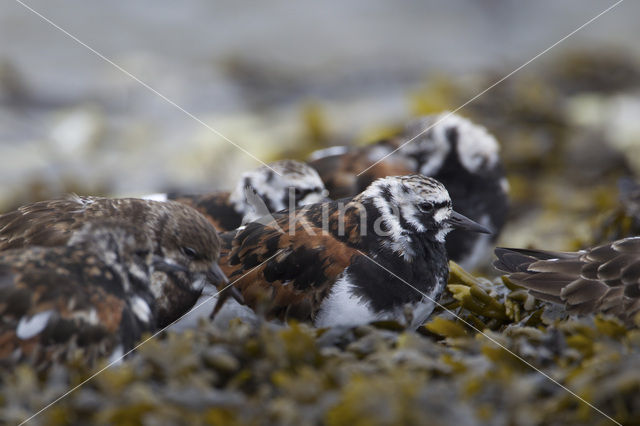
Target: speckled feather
(172, 227)
(89, 299)
(298, 277)
(600, 279)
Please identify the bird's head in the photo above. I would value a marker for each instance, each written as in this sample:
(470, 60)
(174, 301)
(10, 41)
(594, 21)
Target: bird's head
(188, 242)
(415, 205)
(437, 136)
(187, 248)
(279, 184)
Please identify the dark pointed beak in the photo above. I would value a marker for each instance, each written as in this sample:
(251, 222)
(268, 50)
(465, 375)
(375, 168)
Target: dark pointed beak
(216, 276)
(458, 221)
(160, 264)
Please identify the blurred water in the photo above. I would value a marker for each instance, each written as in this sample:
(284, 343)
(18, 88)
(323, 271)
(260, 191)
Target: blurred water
(245, 69)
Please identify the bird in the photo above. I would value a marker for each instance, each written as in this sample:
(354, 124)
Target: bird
(278, 184)
(184, 239)
(344, 262)
(462, 155)
(92, 296)
(605, 278)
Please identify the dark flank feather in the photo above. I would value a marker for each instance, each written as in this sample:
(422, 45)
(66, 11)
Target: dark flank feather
(182, 238)
(91, 298)
(600, 279)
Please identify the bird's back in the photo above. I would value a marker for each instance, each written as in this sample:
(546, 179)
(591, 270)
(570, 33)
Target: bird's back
(52, 222)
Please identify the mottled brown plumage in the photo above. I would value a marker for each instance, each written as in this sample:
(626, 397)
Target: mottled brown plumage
(88, 299)
(600, 279)
(187, 243)
(299, 276)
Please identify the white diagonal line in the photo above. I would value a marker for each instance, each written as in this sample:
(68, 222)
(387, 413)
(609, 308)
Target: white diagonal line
(67, 393)
(124, 71)
(496, 83)
(496, 342)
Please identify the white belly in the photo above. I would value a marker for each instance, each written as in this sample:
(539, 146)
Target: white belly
(343, 307)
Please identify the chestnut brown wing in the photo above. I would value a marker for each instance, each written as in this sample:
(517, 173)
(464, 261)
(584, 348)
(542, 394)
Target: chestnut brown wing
(339, 173)
(343, 174)
(285, 271)
(393, 165)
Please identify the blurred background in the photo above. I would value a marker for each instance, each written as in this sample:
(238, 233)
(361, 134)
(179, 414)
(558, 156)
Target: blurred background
(282, 79)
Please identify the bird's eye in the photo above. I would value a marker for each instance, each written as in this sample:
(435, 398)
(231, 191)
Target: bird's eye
(189, 252)
(425, 207)
(301, 193)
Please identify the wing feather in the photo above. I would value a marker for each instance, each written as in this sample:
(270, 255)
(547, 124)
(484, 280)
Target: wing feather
(294, 271)
(605, 278)
(46, 223)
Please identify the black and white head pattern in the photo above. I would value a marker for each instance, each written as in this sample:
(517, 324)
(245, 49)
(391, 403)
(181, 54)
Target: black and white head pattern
(477, 149)
(409, 205)
(276, 185)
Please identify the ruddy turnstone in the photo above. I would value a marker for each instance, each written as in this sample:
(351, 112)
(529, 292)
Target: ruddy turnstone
(186, 242)
(460, 154)
(343, 262)
(599, 279)
(282, 183)
(92, 295)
